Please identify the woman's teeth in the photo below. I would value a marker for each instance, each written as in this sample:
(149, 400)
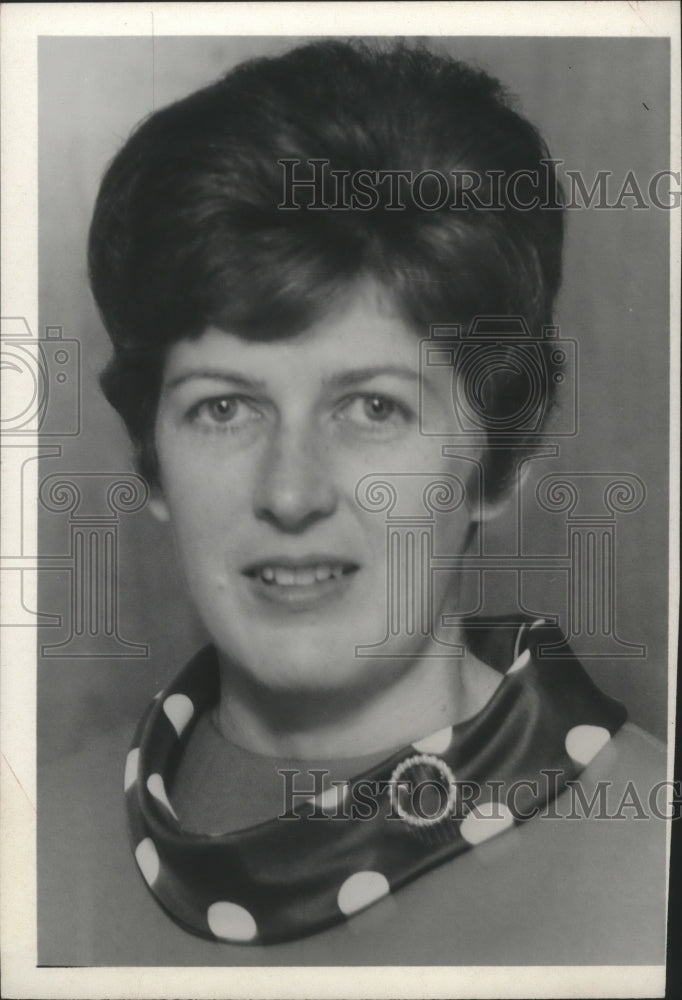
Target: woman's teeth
(284, 576)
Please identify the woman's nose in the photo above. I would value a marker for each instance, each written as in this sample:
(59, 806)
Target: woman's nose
(295, 487)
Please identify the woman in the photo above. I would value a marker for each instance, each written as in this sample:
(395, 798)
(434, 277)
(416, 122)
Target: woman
(267, 255)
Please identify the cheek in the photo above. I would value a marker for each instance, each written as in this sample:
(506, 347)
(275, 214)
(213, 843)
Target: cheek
(207, 503)
(196, 476)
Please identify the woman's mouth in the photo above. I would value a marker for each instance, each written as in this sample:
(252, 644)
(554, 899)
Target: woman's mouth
(300, 583)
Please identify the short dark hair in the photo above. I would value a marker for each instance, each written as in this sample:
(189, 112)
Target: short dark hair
(187, 232)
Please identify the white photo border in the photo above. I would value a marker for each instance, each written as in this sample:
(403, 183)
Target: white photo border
(22, 25)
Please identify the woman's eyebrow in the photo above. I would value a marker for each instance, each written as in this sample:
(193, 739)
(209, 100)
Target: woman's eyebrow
(355, 375)
(217, 374)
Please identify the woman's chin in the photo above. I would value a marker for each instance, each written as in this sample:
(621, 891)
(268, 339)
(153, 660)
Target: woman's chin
(302, 664)
(306, 674)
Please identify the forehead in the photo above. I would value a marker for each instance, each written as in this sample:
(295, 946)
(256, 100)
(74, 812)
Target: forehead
(364, 328)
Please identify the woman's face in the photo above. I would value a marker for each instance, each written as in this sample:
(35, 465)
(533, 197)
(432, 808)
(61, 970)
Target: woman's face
(261, 447)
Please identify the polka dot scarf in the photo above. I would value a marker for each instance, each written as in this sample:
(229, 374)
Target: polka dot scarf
(286, 878)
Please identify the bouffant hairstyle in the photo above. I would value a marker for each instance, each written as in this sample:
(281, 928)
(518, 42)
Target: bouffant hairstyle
(187, 230)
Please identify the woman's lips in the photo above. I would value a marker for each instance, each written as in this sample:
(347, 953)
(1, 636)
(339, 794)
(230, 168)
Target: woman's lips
(300, 583)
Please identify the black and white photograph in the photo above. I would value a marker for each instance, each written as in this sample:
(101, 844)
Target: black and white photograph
(340, 359)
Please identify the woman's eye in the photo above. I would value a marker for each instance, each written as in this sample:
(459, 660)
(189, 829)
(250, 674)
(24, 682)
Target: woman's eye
(373, 412)
(223, 413)
(378, 408)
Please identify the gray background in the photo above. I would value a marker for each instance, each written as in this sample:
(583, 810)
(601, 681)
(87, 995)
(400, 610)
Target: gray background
(588, 96)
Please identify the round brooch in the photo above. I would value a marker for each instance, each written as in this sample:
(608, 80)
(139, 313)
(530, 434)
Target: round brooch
(424, 795)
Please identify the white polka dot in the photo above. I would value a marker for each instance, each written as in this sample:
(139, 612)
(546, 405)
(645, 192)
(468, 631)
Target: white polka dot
(520, 662)
(179, 709)
(486, 820)
(332, 798)
(147, 860)
(158, 790)
(231, 922)
(361, 890)
(437, 742)
(584, 742)
(131, 768)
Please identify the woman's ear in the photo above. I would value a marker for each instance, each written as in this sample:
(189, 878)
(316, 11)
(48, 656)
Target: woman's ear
(487, 508)
(158, 505)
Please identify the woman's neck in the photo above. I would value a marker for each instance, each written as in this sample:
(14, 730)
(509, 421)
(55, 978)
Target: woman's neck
(425, 696)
